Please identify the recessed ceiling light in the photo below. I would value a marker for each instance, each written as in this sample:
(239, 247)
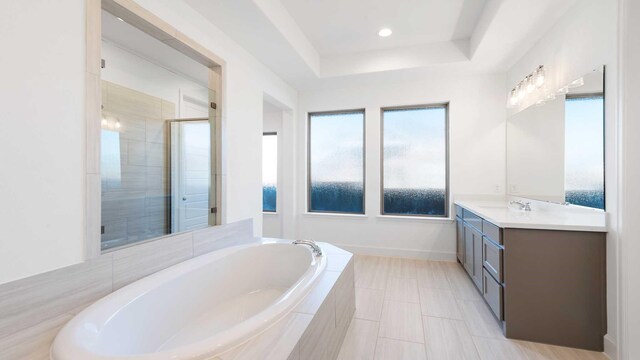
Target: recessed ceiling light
(385, 32)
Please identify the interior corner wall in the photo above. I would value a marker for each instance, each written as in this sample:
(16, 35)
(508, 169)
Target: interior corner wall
(630, 178)
(42, 148)
(477, 157)
(585, 38)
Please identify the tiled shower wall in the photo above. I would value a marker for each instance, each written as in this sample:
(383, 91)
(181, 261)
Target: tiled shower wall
(135, 202)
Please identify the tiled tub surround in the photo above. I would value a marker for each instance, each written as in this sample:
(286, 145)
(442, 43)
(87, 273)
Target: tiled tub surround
(314, 329)
(32, 310)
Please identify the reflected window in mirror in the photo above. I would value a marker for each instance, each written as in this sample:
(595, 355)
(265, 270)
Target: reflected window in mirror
(584, 150)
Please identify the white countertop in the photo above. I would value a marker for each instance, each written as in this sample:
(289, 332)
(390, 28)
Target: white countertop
(542, 216)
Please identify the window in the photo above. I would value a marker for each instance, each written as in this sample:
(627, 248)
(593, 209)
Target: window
(584, 150)
(269, 172)
(336, 162)
(415, 161)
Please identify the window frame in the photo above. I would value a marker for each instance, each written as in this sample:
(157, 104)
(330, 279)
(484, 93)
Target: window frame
(364, 160)
(273, 133)
(447, 192)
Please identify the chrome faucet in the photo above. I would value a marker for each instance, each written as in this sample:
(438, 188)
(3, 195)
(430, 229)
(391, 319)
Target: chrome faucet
(316, 249)
(526, 206)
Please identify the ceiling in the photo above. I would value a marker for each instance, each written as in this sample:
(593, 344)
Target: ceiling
(310, 43)
(338, 26)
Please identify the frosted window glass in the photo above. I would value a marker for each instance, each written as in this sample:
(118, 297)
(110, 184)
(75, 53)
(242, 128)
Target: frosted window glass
(415, 161)
(336, 161)
(269, 172)
(584, 151)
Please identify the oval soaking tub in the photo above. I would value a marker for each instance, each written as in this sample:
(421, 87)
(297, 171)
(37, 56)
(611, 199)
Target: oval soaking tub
(195, 309)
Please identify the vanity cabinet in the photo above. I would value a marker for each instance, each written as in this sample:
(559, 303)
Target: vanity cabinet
(542, 285)
(469, 245)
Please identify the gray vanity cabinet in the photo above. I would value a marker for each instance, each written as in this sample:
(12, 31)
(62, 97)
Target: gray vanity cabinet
(469, 245)
(460, 250)
(546, 286)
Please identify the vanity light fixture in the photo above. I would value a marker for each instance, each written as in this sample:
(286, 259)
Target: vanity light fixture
(531, 86)
(109, 123)
(385, 32)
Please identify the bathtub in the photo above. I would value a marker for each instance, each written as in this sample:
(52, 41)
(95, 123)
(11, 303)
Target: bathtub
(195, 309)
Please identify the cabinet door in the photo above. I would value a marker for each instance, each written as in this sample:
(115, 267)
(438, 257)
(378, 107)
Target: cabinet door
(460, 240)
(477, 259)
(468, 249)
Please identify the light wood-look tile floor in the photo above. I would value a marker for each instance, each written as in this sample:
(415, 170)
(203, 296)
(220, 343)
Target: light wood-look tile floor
(415, 310)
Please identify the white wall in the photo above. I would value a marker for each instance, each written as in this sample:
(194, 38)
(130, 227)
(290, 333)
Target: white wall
(42, 138)
(477, 156)
(129, 70)
(42, 142)
(583, 39)
(630, 178)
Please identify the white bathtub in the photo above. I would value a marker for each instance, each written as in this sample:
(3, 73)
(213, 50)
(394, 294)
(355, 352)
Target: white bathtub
(195, 309)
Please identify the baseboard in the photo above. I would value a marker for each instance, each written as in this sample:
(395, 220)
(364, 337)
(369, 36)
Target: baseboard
(610, 348)
(403, 253)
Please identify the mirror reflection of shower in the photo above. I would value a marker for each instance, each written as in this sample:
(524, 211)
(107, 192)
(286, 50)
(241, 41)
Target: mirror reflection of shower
(157, 143)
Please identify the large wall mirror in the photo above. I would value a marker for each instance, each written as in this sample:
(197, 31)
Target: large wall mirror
(158, 140)
(555, 149)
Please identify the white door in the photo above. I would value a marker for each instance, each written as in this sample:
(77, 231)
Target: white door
(191, 180)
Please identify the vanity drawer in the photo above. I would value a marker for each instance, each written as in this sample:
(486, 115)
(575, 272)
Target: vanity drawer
(492, 258)
(492, 232)
(459, 211)
(492, 293)
(472, 219)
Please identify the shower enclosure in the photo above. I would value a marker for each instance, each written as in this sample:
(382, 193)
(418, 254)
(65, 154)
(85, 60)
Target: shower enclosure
(156, 170)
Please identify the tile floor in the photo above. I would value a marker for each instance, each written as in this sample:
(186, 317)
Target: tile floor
(413, 310)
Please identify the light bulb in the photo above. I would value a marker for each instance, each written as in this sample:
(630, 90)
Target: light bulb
(384, 32)
(540, 76)
(104, 121)
(530, 85)
(117, 124)
(513, 97)
(520, 92)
